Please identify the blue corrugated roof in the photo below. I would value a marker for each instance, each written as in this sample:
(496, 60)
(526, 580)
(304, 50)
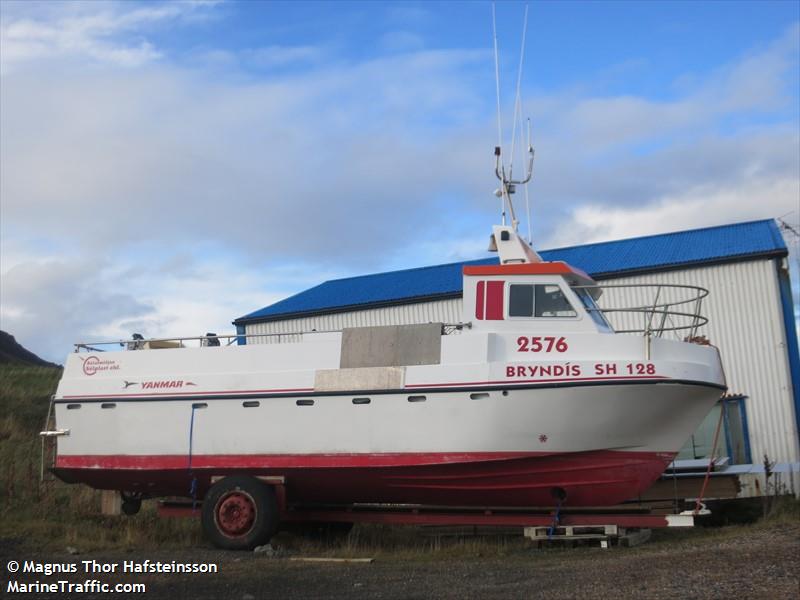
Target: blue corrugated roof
(601, 260)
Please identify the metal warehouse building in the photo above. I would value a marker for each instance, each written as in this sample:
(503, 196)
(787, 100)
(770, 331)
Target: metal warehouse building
(750, 312)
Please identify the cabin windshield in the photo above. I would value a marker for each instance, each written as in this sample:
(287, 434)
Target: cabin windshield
(594, 311)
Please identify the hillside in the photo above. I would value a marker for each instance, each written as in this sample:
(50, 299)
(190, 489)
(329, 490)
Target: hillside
(13, 352)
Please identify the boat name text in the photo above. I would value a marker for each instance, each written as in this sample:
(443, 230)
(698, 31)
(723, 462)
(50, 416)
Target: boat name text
(574, 370)
(543, 370)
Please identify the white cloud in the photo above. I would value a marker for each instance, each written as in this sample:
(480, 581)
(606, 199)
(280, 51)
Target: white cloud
(50, 303)
(760, 82)
(162, 198)
(100, 31)
(701, 206)
(46, 303)
(159, 153)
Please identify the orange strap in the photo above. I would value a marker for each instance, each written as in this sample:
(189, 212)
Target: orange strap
(711, 461)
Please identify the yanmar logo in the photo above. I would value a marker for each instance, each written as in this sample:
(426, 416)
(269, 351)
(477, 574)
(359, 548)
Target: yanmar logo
(160, 385)
(95, 364)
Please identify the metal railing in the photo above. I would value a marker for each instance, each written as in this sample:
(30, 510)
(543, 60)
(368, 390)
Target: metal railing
(673, 308)
(142, 343)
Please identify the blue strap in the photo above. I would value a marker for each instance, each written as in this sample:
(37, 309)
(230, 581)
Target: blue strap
(193, 485)
(556, 519)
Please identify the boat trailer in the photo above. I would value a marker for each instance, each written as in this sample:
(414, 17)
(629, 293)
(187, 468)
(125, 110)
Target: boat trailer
(538, 524)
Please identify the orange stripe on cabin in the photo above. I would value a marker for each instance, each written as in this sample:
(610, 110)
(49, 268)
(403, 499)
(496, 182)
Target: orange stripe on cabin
(542, 268)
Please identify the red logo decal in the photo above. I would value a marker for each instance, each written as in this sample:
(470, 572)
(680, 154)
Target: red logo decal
(94, 364)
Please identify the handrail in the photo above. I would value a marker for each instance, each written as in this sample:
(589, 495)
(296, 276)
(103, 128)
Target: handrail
(232, 338)
(660, 310)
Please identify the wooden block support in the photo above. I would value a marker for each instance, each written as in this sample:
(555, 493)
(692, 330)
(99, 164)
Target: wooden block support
(110, 503)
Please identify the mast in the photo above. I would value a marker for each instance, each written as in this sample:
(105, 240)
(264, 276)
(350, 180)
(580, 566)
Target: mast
(505, 239)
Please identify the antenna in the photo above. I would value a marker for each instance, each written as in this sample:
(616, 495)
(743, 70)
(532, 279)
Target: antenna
(497, 76)
(527, 199)
(786, 227)
(507, 182)
(518, 95)
(795, 233)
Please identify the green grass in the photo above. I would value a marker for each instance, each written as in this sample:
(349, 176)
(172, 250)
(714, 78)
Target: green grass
(53, 515)
(24, 399)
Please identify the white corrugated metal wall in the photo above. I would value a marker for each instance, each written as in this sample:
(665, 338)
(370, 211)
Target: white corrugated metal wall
(439, 311)
(745, 323)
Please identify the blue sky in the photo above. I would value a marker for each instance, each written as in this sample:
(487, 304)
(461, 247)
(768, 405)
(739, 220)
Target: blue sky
(167, 167)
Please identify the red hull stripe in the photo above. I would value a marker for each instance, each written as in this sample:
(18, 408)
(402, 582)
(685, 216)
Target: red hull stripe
(455, 385)
(282, 461)
(612, 459)
(591, 478)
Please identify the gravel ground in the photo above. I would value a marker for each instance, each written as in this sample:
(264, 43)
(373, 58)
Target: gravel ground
(737, 562)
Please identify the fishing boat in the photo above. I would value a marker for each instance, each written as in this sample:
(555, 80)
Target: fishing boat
(532, 400)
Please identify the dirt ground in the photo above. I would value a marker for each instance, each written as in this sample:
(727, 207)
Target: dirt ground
(734, 562)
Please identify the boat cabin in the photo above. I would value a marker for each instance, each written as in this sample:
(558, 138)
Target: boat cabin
(524, 289)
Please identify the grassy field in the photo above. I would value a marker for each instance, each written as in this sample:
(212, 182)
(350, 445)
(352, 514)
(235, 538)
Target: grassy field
(53, 515)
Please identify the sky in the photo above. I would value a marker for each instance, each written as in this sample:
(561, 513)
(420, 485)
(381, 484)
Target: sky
(168, 167)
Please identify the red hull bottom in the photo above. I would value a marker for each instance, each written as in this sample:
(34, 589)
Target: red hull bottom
(596, 478)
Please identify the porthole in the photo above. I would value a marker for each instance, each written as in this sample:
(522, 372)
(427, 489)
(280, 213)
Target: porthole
(361, 400)
(73, 406)
(479, 396)
(251, 403)
(108, 405)
(305, 402)
(417, 398)
(199, 405)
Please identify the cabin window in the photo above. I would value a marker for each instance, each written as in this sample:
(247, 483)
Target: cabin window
(525, 300)
(551, 302)
(593, 309)
(520, 301)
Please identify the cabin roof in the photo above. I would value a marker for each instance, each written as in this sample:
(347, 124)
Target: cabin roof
(603, 260)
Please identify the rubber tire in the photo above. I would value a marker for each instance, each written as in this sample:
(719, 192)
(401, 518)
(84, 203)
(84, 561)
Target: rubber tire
(266, 520)
(131, 506)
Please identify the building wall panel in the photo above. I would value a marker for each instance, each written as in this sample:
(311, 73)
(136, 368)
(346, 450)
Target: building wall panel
(745, 322)
(440, 311)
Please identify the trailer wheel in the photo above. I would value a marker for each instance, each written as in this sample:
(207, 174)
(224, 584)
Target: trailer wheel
(131, 506)
(131, 503)
(239, 513)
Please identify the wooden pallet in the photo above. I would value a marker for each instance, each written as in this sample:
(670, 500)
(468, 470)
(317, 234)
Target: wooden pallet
(572, 535)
